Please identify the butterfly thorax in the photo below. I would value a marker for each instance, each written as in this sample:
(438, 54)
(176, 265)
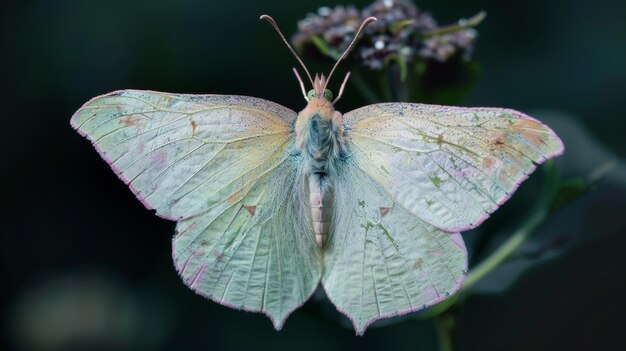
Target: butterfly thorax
(320, 136)
(321, 141)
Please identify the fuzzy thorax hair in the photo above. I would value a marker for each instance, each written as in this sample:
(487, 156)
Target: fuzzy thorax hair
(320, 136)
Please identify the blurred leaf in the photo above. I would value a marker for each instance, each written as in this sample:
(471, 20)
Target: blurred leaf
(567, 192)
(397, 26)
(590, 166)
(321, 45)
(460, 25)
(585, 156)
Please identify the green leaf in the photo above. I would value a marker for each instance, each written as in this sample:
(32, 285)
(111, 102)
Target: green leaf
(321, 45)
(568, 191)
(396, 27)
(460, 25)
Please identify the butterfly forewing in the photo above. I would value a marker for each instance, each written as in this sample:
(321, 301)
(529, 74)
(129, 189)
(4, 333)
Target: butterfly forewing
(449, 166)
(382, 260)
(182, 153)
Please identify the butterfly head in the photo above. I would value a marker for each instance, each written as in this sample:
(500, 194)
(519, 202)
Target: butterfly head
(320, 83)
(319, 90)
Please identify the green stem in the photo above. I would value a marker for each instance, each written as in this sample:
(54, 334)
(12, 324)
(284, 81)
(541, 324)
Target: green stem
(505, 250)
(384, 82)
(363, 87)
(444, 324)
(398, 83)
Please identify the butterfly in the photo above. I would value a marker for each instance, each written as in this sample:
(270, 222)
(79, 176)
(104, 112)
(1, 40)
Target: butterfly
(269, 203)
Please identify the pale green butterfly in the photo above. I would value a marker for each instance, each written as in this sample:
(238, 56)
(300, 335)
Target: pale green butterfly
(270, 202)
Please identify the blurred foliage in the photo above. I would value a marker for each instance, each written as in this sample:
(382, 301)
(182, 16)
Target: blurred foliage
(85, 266)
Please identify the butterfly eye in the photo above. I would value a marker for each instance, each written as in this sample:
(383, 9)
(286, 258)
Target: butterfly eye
(328, 94)
(310, 95)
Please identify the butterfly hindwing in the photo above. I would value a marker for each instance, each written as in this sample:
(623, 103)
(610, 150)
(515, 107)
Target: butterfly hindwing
(181, 153)
(381, 260)
(252, 252)
(449, 166)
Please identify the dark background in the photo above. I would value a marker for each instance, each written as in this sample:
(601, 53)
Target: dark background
(84, 265)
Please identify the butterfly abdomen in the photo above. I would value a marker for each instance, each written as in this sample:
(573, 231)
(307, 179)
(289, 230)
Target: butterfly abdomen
(320, 199)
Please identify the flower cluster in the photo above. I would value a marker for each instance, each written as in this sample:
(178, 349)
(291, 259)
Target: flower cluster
(402, 33)
(335, 26)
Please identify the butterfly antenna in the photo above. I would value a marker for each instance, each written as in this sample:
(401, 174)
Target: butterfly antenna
(345, 53)
(273, 23)
(295, 71)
